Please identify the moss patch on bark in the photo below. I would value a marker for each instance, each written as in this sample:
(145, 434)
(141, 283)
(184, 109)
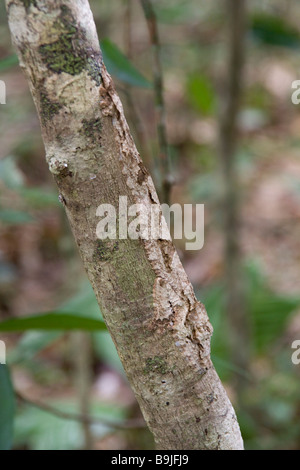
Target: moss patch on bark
(66, 53)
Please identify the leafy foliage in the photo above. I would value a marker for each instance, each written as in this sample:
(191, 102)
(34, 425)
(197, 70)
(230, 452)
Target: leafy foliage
(8, 62)
(52, 321)
(14, 217)
(268, 313)
(201, 93)
(7, 409)
(118, 65)
(44, 431)
(274, 31)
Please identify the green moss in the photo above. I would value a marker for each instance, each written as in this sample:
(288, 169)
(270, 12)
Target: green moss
(64, 55)
(156, 364)
(48, 108)
(60, 56)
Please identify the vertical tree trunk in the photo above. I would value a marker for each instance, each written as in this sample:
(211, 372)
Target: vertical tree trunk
(234, 277)
(161, 331)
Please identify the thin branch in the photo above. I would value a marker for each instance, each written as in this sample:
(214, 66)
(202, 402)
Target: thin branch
(81, 418)
(127, 28)
(164, 157)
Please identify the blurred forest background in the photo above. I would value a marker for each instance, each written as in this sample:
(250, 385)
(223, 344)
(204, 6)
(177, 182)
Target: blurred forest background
(54, 386)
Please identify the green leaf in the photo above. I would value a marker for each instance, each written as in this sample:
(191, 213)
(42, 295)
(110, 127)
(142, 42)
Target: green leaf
(53, 321)
(41, 430)
(182, 11)
(201, 94)
(7, 409)
(268, 313)
(31, 343)
(225, 365)
(14, 217)
(10, 174)
(39, 197)
(118, 65)
(179, 12)
(106, 350)
(213, 299)
(274, 31)
(82, 302)
(8, 62)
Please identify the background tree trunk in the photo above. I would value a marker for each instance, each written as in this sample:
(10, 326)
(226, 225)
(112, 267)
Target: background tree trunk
(161, 331)
(236, 308)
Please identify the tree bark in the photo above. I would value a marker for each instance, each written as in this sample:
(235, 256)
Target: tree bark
(162, 333)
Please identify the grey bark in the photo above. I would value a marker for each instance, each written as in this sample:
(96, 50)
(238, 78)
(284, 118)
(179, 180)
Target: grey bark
(162, 333)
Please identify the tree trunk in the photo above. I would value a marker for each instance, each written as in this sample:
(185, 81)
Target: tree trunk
(236, 308)
(162, 333)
